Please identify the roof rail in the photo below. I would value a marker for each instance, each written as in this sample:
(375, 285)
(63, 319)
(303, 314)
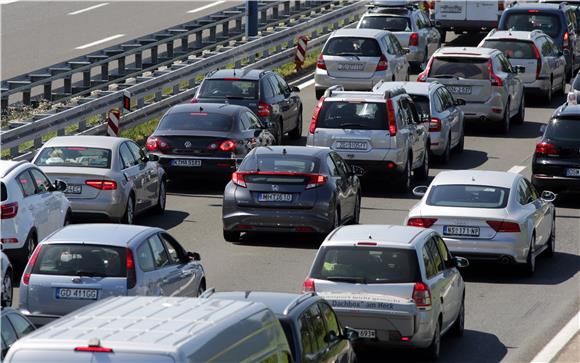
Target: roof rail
(9, 170)
(297, 301)
(492, 32)
(335, 88)
(207, 293)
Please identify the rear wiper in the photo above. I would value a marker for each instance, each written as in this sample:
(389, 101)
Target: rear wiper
(347, 125)
(447, 76)
(89, 273)
(360, 280)
(348, 55)
(237, 98)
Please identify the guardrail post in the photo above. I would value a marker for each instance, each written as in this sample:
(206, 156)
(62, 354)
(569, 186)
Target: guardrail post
(212, 33)
(198, 40)
(26, 97)
(139, 60)
(82, 125)
(169, 49)
(158, 96)
(285, 8)
(185, 44)
(121, 65)
(252, 18)
(154, 54)
(14, 152)
(4, 104)
(60, 132)
(297, 6)
(86, 79)
(263, 17)
(226, 29)
(68, 85)
(47, 91)
(38, 143)
(105, 71)
(276, 12)
(238, 26)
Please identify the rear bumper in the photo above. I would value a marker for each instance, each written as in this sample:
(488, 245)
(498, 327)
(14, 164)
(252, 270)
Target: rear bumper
(513, 245)
(537, 86)
(276, 220)
(378, 169)
(105, 206)
(213, 166)
(460, 25)
(415, 55)
(483, 111)
(555, 183)
(322, 81)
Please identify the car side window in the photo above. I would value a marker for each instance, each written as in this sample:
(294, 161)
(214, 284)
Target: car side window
(408, 112)
(8, 334)
(554, 50)
(159, 254)
(318, 328)
(306, 334)
(523, 193)
(42, 183)
(254, 123)
(330, 318)
(26, 184)
(127, 156)
(437, 259)
(413, 111)
(449, 102)
(430, 269)
(173, 248)
(244, 122)
(504, 64)
(544, 46)
(390, 46)
(275, 86)
(340, 165)
(283, 85)
(331, 167)
(437, 100)
(533, 193)
(138, 154)
(443, 251)
(145, 257)
(268, 92)
(21, 326)
(396, 44)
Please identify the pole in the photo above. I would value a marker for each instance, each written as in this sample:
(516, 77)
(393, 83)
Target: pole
(252, 18)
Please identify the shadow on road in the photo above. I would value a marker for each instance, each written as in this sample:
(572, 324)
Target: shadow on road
(527, 130)
(286, 240)
(202, 185)
(167, 220)
(468, 159)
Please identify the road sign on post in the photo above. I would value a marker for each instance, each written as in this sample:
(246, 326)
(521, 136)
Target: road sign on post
(113, 117)
(300, 51)
(126, 101)
(252, 18)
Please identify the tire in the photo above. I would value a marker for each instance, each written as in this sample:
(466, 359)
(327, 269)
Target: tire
(461, 145)
(26, 251)
(447, 153)
(296, 134)
(129, 216)
(458, 327)
(279, 133)
(549, 93)
(404, 183)
(7, 289)
(552, 240)
(530, 265)
(521, 116)
(356, 218)
(433, 350)
(505, 124)
(423, 172)
(231, 236)
(161, 198)
(319, 93)
(563, 88)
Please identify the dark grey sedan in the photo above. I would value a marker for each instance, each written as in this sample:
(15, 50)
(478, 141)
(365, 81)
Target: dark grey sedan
(290, 189)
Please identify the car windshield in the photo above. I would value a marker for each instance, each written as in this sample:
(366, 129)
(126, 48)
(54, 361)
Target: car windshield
(514, 49)
(353, 46)
(468, 196)
(564, 129)
(534, 20)
(353, 115)
(81, 260)
(392, 23)
(75, 156)
(229, 88)
(422, 104)
(368, 265)
(196, 121)
(461, 67)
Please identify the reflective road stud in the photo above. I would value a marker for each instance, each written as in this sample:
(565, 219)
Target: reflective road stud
(113, 117)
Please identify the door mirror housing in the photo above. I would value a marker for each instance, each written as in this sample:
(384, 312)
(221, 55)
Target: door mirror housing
(357, 170)
(519, 69)
(193, 256)
(548, 196)
(350, 334)
(153, 157)
(294, 89)
(406, 50)
(59, 185)
(460, 262)
(331, 337)
(459, 102)
(420, 191)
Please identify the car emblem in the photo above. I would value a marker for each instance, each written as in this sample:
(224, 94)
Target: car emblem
(275, 188)
(187, 144)
(76, 280)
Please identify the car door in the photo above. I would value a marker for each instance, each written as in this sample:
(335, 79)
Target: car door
(168, 275)
(513, 81)
(190, 271)
(307, 341)
(451, 274)
(318, 333)
(290, 104)
(532, 210)
(254, 131)
(401, 64)
(33, 205)
(454, 114)
(433, 37)
(440, 286)
(48, 202)
(279, 107)
(134, 174)
(546, 212)
(445, 112)
(557, 62)
(338, 348)
(418, 130)
(9, 335)
(573, 33)
(149, 279)
(344, 188)
(150, 175)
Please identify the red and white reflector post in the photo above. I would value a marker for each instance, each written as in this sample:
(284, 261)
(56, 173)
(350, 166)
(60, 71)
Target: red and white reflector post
(300, 51)
(113, 117)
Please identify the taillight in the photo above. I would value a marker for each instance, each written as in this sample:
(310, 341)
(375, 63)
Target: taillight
(315, 115)
(566, 43)
(131, 274)
(194, 100)
(435, 124)
(315, 180)
(238, 179)
(391, 118)
(228, 145)
(422, 77)
(156, 144)
(102, 184)
(504, 226)
(320, 62)
(422, 295)
(308, 285)
(414, 40)
(383, 64)
(30, 266)
(538, 60)
(421, 222)
(94, 349)
(546, 149)
(264, 109)
(495, 80)
(9, 210)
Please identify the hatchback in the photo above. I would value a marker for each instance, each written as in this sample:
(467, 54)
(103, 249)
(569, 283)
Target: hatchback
(81, 264)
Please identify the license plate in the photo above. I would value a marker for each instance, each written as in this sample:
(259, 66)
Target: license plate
(73, 189)
(572, 172)
(351, 145)
(186, 162)
(461, 231)
(460, 90)
(275, 197)
(78, 294)
(366, 333)
(351, 66)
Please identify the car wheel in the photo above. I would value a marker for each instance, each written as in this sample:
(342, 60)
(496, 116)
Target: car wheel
(405, 179)
(201, 289)
(552, 240)
(356, 218)
(432, 351)
(549, 94)
(296, 134)
(521, 116)
(461, 145)
(530, 265)
(129, 216)
(447, 153)
(459, 324)
(279, 133)
(161, 198)
(231, 236)
(423, 172)
(505, 124)
(563, 88)
(30, 246)
(7, 289)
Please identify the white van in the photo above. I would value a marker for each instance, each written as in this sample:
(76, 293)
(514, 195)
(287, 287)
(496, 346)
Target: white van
(158, 330)
(466, 15)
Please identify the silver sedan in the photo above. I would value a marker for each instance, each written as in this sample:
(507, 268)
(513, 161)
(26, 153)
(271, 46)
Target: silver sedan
(488, 215)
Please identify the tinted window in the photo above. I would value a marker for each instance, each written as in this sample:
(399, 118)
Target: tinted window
(443, 251)
(4, 193)
(468, 196)
(75, 156)
(421, 104)
(343, 46)
(81, 260)
(174, 250)
(282, 84)
(430, 269)
(447, 98)
(127, 156)
(392, 23)
(331, 167)
(563, 129)
(8, 335)
(275, 86)
(42, 183)
(353, 115)
(268, 93)
(471, 68)
(576, 84)
(195, 121)
(145, 257)
(512, 48)
(366, 265)
(318, 329)
(159, 254)
(523, 193)
(277, 163)
(435, 256)
(340, 164)
(528, 21)
(306, 335)
(229, 88)
(26, 184)
(136, 150)
(330, 318)
(250, 122)
(21, 325)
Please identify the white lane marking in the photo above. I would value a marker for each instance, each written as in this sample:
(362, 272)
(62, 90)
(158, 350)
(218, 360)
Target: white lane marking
(205, 7)
(559, 341)
(517, 169)
(104, 40)
(306, 84)
(6, 2)
(88, 9)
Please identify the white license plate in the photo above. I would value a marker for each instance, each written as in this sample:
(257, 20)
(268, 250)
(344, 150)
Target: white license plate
(461, 231)
(79, 294)
(73, 189)
(275, 197)
(460, 90)
(350, 66)
(366, 333)
(351, 145)
(186, 162)
(572, 172)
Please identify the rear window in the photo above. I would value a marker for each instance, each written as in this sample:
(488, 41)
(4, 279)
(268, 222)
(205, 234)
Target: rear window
(353, 115)
(366, 265)
(512, 49)
(81, 260)
(392, 23)
(462, 67)
(564, 130)
(534, 20)
(229, 88)
(196, 121)
(75, 156)
(4, 192)
(468, 196)
(344, 46)
(421, 104)
(280, 164)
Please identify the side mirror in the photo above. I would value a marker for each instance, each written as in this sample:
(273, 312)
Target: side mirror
(294, 89)
(420, 191)
(548, 196)
(406, 50)
(193, 256)
(461, 262)
(152, 157)
(424, 118)
(350, 334)
(520, 69)
(331, 337)
(543, 129)
(459, 102)
(357, 170)
(59, 185)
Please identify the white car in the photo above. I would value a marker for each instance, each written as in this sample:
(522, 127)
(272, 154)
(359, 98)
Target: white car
(32, 208)
(7, 280)
(488, 215)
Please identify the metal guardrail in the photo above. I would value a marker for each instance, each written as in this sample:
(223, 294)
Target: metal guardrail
(152, 96)
(99, 69)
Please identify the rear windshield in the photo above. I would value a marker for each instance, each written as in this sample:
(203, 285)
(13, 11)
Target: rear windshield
(344, 46)
(366, 265)
(81, 260)
(281, 164)
(195, 121)
(533, 20)
(75, 156)
(392, 23)
(229, 88)
(421, 104)
(512, 48)
(564, 130)
(4, 192)
(470, 68)
(468, 196)
(353, 115)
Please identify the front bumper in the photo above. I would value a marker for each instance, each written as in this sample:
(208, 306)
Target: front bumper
(515, 246)
(276, 220)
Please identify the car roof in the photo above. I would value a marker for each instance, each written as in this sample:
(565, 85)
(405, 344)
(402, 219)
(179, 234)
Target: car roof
(222, 108)
(86, 140)
(534, 5)
(466, 51)
(383, 234)
(514, 34)
(502, 179)
(292, 150)
(362, 33)
(246, 74)
(567, 110)
(109, 234)
(281, 303)
(415, 88)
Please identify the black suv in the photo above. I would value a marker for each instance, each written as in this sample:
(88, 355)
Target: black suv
(556, 162)
(264, 92)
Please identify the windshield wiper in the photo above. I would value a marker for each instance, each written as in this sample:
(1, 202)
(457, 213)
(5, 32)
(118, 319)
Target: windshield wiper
(360, 280)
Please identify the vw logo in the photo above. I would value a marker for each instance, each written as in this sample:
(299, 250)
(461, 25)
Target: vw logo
(275, 188)
(187, 144)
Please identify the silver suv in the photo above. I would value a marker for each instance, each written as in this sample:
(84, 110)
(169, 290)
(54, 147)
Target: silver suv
(357, 59)
(544, 65)
(379, 131)
(484, 78)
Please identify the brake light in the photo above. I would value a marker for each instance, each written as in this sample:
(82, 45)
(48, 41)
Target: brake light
(422, 295)
(228, 145)
(547, 149)
(533, 11)
(435, 124)
(30, 266)
(316, 180)
(538, 60)
(422, 77)
(194, 100)
(315, 115)
(102, 184)
(414, 40)
(156, 144)
(421, 222)
(94, 349)
(366, 243)
(264, 109)
(566, 43)
(238, 179)
(9, 210)
(391, 118)
(308, 285)
(504, 226)
(383, 64)
(320, 62)
(131, 274)
(495, 80)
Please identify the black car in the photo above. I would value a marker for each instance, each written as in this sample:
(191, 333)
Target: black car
(14, 326)
(556, 162)
(309, 322)
(264, 92)
(206, 138)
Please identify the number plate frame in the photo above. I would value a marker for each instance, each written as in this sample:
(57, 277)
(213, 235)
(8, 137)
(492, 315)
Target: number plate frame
(351, 67)
(189, 163)
(366, 333)
(352, 145)
(462, 231)
(460, 90)
(275, 197)
(573, 172)
(73, 189)
(76, 294)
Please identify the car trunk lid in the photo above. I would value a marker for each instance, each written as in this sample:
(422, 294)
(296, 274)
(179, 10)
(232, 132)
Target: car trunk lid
(78, 180)
(200, 143)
